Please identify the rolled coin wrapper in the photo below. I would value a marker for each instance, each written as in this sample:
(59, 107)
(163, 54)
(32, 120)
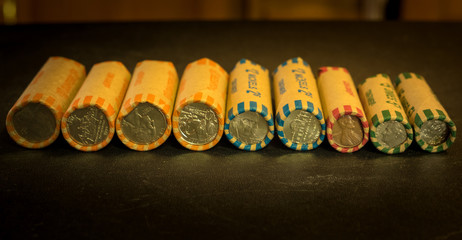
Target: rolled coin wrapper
(434, 129)
(390, 131)
(347, 126)
(89, 122)
(34, 120)
(299, 118)
(198, 117)
(144, 120)
(249, 116)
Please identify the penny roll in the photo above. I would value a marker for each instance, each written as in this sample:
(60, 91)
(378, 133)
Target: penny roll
(249, 116)
(89, 122)
(144, 120)
(198, 117)
(34, 120)
(390, 131)
(434, 129)
(347, 126)
(299, 118)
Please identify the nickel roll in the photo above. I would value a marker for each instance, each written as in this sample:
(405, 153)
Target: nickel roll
(249, 117)
(299, 118)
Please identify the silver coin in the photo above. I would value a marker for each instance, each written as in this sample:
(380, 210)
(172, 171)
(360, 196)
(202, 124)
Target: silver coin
(347, 131)
(34, 122)
(198, 124)
(249, 128)
(302, 127)
(144, 124)
(391, 134)
(88, 126)
(434, 132)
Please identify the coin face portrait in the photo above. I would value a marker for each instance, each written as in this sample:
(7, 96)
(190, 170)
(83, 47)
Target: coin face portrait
(434, 132)
(302, 127)
(198, 124)
(391, 134)
(249, 127)
(347, 131)
(144, 124)
(34, 122)
(88, 126)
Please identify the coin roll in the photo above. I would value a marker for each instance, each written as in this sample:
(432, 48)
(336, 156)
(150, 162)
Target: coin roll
(198, 117)
(89, 122)
(390, 130)
(434, 129)
(249, 117)
(144, 120)
(34, 120)
(299, 119)
(347, 126)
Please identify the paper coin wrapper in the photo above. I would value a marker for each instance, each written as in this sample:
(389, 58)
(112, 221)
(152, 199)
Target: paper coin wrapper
(434, 129)
(198, 117)
(249, 116)
(88, 124)
(144, 120)
(299, 118)
(34, 120)
(390, 131)
(347, 126)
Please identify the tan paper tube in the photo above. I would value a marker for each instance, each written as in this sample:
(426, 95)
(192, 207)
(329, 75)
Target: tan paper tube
(34, 120)
(89, 122)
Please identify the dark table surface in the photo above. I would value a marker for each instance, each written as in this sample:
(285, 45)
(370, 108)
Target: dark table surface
(170, 192)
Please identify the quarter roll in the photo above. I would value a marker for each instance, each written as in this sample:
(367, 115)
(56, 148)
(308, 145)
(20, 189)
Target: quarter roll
(89, 122)
(34, 120)
(434, 129)
(249, 117)
(198, 117)
(299, 118)
(390, 131)
(347, 126)
(144, 120)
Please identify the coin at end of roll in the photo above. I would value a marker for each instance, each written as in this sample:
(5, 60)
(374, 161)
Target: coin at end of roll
(302, 127)
(434, 132)
(144, 124)
(249, 128)
(391, 134)
(347, 131)
(198, 124)
(88, 126)
(34, 122)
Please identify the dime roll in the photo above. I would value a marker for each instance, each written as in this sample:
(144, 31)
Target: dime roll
(299, 118)
(144, 120)
(198, 117)
(34, 120)
(347, 126)
(89, 122)
(390, 131)
(434, 129)
(249, 116)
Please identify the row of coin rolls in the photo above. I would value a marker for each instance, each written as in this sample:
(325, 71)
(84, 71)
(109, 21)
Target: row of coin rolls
(143, 109)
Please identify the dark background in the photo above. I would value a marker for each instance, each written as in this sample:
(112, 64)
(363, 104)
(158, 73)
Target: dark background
(171, 192)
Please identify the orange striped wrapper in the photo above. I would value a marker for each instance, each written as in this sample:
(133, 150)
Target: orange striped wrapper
(205, 82)
(104, 88)
(34, 120)
(339, 98)
(155, 83)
